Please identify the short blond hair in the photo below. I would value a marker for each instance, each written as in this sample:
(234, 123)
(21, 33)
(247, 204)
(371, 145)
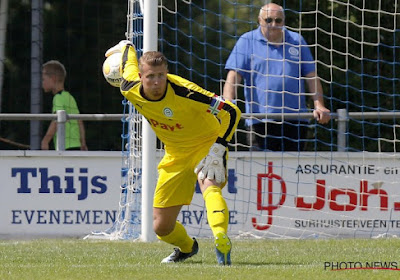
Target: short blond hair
(153, 58)
(56, 68)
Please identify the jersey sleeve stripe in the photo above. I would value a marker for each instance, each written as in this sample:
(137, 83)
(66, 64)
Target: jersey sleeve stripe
(232, 122)
(127, 85)
(193, 95)
(124, 59)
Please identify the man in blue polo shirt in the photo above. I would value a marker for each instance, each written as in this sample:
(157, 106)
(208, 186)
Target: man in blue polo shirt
(274, 64)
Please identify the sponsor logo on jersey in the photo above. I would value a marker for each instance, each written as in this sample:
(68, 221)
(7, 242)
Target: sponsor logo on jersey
(189, 94)
(170, 127)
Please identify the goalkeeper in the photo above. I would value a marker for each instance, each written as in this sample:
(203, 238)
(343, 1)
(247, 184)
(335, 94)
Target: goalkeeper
(195, 126)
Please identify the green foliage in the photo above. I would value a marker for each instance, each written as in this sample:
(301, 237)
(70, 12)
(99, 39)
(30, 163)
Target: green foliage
(259, 259)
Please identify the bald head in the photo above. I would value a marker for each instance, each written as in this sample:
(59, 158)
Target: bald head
(271, 7)
(272, 20)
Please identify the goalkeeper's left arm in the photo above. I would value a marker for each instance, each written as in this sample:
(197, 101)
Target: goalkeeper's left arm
(213, 165)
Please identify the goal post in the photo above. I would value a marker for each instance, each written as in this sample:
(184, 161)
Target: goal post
(150, 36)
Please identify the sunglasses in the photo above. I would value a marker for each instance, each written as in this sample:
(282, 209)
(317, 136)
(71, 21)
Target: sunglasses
(277, 20)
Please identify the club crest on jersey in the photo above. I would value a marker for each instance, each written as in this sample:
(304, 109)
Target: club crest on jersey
(216, 105)
(168, 112)
(294, 52)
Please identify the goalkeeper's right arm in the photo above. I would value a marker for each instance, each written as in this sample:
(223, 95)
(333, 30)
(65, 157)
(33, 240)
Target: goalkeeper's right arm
(129, 64)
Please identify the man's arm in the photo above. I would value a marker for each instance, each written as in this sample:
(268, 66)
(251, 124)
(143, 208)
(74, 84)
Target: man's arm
(129, 64)
(82, 134)
(49, 135)
(230, 88)
(321, 113)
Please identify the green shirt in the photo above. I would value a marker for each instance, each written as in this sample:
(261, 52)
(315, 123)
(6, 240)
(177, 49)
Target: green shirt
(63, 100)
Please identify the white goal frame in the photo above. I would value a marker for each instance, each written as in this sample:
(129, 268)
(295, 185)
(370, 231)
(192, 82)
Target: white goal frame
(149, 168)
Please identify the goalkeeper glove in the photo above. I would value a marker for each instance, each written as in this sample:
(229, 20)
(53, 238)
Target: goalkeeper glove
(212, 166)
(118, 47)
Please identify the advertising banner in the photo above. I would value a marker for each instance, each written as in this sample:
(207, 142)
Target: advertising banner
(308, 196)
(47, 194)
(270, 195)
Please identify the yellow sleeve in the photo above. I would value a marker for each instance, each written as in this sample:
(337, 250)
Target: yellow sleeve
(225, 111)
(129, 64)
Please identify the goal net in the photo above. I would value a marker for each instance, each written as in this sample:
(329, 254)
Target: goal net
(344, 183)
(127, 225)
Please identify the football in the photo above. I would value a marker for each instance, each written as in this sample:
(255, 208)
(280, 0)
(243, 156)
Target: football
(111, 69)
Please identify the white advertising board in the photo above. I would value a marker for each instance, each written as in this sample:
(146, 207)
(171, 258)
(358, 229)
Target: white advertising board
(268, 195)
(308, 196)
(47, 194)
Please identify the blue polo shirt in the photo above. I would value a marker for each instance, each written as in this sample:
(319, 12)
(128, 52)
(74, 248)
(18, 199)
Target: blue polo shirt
(272, 74)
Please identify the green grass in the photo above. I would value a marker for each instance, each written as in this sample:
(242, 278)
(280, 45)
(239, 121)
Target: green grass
(252, 259)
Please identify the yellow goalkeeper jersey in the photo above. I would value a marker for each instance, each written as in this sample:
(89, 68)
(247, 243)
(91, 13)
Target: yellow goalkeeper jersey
(187, 116)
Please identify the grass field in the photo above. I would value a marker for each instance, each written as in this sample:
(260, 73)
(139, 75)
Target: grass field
(252, 259)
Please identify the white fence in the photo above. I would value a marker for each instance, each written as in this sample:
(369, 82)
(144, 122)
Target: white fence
(341, 116)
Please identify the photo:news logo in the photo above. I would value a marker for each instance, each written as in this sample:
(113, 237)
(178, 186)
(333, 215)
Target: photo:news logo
(358, 265)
